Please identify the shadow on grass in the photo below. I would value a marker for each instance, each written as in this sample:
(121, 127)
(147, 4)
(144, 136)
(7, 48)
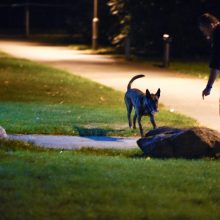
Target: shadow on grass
(105, 138)
(99, 134)
(96, 132)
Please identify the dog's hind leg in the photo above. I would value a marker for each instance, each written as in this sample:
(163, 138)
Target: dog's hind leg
(134, 120)
(129, 110)
(140, 126)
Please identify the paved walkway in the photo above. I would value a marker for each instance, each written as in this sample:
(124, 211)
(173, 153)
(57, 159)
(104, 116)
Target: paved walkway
(74, 142)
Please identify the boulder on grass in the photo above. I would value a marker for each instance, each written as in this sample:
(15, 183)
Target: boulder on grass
(2, 133)
(167, 142)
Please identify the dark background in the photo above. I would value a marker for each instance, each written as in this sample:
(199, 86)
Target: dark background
(144, 21)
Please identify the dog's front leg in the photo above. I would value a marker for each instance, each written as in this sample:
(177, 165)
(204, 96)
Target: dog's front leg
(140, 126)
(153, 121)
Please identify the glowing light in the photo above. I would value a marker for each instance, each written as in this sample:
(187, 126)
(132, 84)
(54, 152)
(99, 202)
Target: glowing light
(166, 36)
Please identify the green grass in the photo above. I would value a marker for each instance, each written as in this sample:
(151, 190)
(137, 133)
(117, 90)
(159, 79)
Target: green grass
(189, 67)
(25, 81)
(76, 120)
(104, 184)
(38, 183)
(40, 99)
(197, 68)
(192, 68)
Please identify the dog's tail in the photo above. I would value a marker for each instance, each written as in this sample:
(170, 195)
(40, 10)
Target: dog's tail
(132, 80)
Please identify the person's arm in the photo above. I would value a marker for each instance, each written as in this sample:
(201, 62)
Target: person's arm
(212, 77)
(214, 63)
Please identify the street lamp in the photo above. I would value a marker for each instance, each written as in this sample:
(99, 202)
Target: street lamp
(27, 16)
(27, 6)
(95, 22)
(167, 40)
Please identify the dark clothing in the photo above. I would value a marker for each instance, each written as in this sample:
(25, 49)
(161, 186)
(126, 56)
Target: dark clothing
(215, 53)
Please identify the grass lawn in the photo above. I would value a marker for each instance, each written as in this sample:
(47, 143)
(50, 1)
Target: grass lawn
(194, 68)
(39, 99)
(104, 184)
(37, 183)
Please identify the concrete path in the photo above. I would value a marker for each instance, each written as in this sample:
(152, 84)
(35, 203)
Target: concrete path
(178, 92)
(74, 142)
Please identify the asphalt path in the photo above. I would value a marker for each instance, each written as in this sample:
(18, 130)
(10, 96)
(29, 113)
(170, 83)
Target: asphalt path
(178, 93)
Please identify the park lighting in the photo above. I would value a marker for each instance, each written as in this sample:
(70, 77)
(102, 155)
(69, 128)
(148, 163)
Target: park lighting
(166, 36)
(27, 16)
(167, 39)
(95, 22)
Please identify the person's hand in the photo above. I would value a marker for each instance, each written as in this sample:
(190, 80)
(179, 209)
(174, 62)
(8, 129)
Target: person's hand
(206, 91)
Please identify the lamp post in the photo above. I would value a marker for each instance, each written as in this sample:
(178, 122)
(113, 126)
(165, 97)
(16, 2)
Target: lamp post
(167, 40)
(27, 20)
(27, 7)
(95, 22)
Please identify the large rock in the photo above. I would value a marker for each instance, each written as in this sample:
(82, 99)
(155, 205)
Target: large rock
(2, 132)
(166, 142)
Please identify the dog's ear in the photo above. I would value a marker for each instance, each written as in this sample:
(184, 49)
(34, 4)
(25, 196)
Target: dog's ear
(148, 93)
(158, 93)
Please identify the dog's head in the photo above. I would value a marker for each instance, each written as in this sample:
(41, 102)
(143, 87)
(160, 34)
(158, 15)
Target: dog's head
(153, 100)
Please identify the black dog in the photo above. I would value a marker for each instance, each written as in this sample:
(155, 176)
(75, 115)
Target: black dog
(144, 104)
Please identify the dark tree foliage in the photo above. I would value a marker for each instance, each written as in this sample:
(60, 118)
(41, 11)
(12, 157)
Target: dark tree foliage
(145, 22)
(73, 17)
(142, 21)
